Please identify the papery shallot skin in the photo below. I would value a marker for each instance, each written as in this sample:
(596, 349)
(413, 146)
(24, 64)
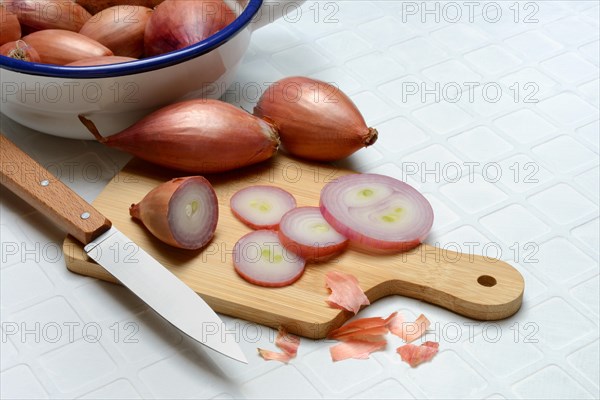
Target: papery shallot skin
(176, 24)
(198, 136)
(346, 294)
(315, 119)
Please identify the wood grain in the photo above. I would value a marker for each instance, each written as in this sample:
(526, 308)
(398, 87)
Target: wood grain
(473, 286)
(40, 189)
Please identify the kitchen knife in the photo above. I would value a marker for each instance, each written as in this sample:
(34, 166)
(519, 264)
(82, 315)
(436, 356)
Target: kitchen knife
(132, 266)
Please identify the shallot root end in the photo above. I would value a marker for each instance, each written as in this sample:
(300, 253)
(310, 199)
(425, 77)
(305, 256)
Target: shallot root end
(134, 211)
(371, 137)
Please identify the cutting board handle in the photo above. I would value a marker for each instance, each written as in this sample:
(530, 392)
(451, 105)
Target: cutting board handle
(475, 286)
(40, 189)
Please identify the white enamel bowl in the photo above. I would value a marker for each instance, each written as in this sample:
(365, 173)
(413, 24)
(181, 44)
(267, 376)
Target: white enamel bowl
(49, 98)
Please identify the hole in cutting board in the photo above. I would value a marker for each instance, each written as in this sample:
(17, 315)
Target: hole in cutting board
(486, 280)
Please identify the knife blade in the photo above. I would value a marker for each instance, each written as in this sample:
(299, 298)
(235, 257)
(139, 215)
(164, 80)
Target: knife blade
(132, 266)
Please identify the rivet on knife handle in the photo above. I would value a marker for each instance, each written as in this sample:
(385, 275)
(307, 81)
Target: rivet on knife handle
(40, 189)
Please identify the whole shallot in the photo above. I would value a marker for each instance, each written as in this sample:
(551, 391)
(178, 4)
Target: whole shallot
(57, 46)
(176, 24)
(199, 136)
(315, 120)
(10, 29)
(48, 14)
(120, 28)
(20, 50)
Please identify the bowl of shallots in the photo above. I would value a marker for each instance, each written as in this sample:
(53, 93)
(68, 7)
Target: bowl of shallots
(115, 61)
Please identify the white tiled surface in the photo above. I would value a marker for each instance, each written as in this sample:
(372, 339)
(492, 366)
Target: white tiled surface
(517, 176)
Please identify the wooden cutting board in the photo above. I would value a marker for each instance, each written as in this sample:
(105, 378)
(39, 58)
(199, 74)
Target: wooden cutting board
(473, 286)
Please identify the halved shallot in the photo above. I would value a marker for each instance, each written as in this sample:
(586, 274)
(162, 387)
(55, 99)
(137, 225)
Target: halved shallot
(260, 258)
(377, 212)
(182, 212)
(315, 119)
(198, 136)
(261, 206)
(304, 231)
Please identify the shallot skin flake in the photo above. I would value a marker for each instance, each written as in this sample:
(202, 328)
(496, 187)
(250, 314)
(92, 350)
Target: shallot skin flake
(357, 349)
(415, 355)
(346, 294)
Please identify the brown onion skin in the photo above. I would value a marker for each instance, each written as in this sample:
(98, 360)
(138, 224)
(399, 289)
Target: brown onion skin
(120, 28)
(95, 6)
(20, 50)
(56, 46)
(153, 211)
(49, 14)
(104, 60)
(315, 120)
(10, 28)
(198, 136)
(176, 24)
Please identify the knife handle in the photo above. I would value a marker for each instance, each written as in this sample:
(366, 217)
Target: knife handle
(44, 192)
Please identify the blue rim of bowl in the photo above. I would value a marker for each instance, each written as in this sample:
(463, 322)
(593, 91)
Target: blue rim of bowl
(138, 66)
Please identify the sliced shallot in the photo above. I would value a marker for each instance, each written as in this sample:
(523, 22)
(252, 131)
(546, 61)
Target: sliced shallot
(408, 331)
(304, 231)
(345, 292)
(377, 212)
(415, 355)
(260, 206)
(355, 349)
(260, 258)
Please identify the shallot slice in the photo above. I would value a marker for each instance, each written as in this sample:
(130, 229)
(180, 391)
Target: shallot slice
(377, 212)
(182, 212)
(304, 231)
(415, 355)
(345, 292)
(408, 331)
(355, 349)
(260, 258)
(261, 207)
